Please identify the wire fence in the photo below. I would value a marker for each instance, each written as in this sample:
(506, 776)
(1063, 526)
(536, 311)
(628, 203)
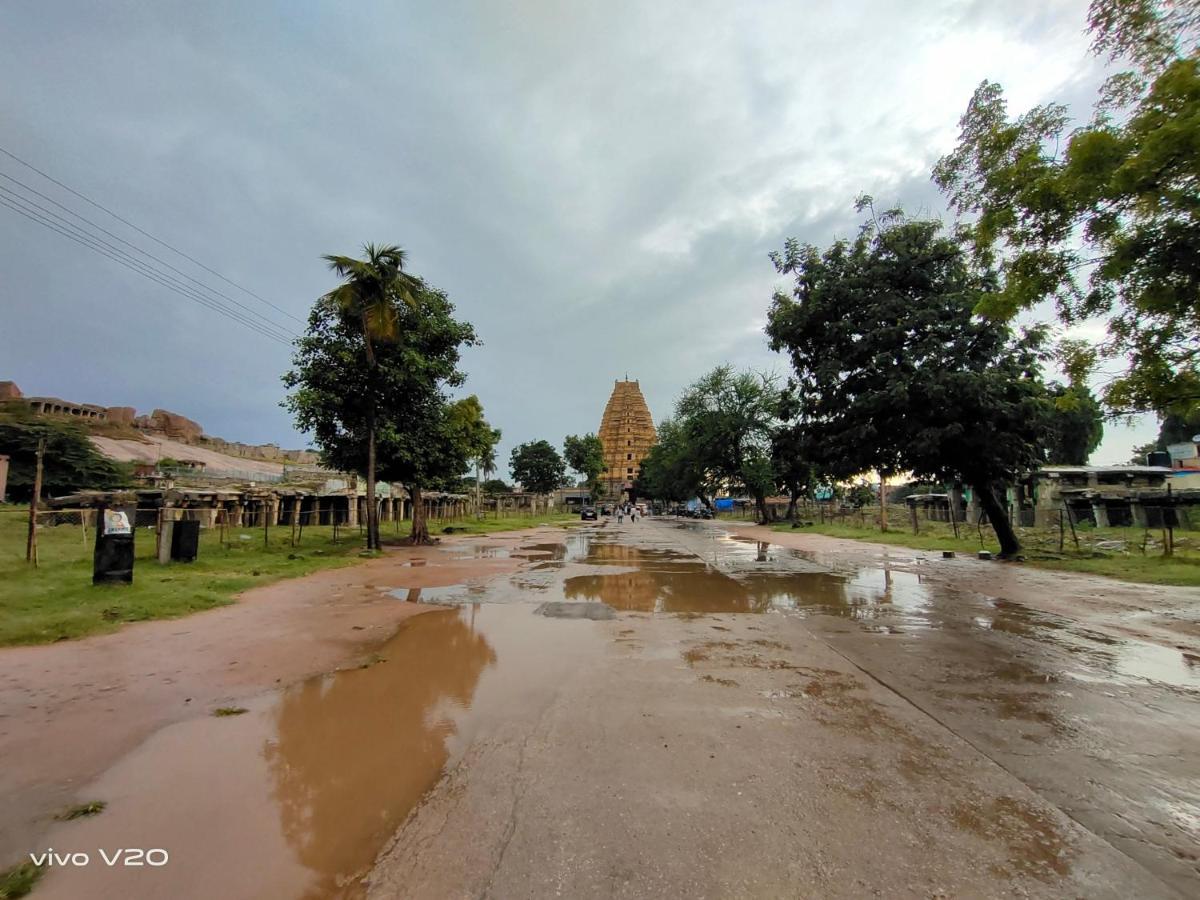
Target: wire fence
(1147, 530)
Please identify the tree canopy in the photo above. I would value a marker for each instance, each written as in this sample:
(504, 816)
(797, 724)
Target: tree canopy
(71, 462)
(585, 454)
(538, 467)
(1104, 219)
(422, 438)
(1076, 425)
(893, 371)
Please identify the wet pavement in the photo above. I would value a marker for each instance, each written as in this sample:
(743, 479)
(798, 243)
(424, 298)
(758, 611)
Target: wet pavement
(752, 720)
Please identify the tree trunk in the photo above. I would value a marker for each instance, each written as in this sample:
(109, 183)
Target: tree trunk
(998, 516)
(372, 509)
(420, 529)
(760, 503)
(791, 510)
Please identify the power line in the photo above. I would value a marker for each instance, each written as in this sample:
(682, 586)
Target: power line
(145, 233)
(152, 274)
(283, 329)
(39, 214)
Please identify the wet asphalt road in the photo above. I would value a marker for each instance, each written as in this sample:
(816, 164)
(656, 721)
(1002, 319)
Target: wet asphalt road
(1005, 751)
(748, 721)
(1105, 728)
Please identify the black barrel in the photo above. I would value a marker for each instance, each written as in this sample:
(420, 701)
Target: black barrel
(185, 540)
(112, 561)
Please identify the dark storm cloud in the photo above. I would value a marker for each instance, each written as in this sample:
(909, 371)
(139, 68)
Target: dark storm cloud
(596, 185)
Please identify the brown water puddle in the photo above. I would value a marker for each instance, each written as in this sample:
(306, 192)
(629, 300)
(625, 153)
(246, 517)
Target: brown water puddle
(296, 797)
(663, 580)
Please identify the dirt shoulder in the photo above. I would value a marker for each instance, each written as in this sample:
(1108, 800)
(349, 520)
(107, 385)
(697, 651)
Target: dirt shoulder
(69, 710)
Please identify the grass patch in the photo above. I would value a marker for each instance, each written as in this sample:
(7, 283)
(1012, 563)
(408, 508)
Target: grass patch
(1120, 554)
(19, 880)
(57, 601)
(221, 711)
(81, 811)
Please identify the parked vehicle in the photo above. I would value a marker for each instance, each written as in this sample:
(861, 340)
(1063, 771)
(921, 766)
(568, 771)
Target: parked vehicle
(588, 512)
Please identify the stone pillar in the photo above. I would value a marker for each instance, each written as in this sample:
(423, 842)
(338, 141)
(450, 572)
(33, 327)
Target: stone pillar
(297, 502)
(164, 540)
(1139, 514)
(3, 475)
(974, 511)
(352, 510)
(238, 511)
(274, 506)
(1100, 512)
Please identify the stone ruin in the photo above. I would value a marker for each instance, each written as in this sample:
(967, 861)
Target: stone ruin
(159, 423)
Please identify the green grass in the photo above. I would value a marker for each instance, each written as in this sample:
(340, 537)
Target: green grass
(57, 600)
(223, 711)
(81, 811)
(1040, 547)
(504, 523)
(19, 880)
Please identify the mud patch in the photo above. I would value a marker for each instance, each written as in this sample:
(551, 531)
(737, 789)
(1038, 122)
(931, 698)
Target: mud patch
(1035, 844)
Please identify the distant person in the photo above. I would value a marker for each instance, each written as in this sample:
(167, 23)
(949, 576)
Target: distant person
(620, 515)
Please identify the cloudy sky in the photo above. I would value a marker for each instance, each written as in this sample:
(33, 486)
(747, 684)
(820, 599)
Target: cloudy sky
(596, 185)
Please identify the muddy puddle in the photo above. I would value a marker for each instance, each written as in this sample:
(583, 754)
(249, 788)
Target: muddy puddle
(296, 797)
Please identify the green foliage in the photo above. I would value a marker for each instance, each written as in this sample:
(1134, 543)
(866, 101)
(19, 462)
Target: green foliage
(1102, 219)
(892, 370)
(585, 454)
(71, 462)
(496, 486)
(670, 471)
(17, 881)
(720, 437)
(538, 467)
(1076, 426)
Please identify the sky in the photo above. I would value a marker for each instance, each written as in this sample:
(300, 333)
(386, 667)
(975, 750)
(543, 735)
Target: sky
(595, 185)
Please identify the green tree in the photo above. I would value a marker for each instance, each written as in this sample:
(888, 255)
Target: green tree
(728, 419)
(893, 372)
(538, 467)
(479, 437)
(71, 461)
(1103, 219)
(1076, 426)
(369, 301)
(586, 456)
(399, 398)
(796, 474)
(671, 471)
(496, 486)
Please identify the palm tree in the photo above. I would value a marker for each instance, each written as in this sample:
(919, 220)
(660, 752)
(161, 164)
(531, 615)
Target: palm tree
(368, 299)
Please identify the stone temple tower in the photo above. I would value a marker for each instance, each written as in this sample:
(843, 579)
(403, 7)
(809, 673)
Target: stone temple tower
(627, 433)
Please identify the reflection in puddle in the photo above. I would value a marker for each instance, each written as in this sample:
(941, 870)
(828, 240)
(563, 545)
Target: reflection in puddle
(661, 580)
(354, 751)
(297, 797)
(1129, 658)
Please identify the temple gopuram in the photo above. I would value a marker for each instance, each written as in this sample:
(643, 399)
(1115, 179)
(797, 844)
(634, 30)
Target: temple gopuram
(627, 433)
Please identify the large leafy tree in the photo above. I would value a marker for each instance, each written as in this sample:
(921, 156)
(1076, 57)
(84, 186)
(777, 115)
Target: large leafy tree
(478, 437)
(585, 454)
(538, 467)
(398, 401)
(1076, 425)
(671, 471)
(71, 462)
(894, 372)
(728, 419)
(1104, 219)
(369, 302)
